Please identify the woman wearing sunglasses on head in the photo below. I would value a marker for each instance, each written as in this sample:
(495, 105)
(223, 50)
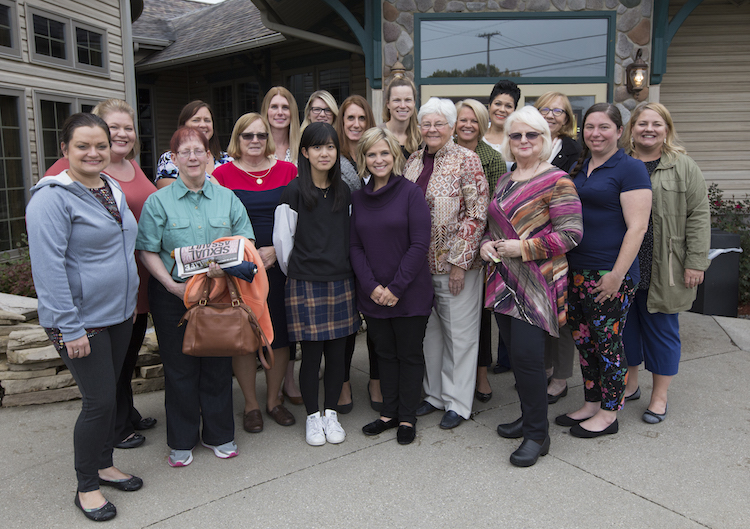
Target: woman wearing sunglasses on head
(258, 179)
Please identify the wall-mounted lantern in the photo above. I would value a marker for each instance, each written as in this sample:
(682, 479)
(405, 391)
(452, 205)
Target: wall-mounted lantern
(637, 74)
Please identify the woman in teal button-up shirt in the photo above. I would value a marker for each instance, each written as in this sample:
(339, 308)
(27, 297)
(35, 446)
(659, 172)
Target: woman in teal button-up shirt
(186, 213)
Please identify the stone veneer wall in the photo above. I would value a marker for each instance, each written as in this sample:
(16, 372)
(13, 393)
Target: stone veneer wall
(633, 29)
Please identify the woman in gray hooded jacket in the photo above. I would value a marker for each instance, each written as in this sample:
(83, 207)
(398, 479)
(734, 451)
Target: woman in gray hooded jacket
(82, 241)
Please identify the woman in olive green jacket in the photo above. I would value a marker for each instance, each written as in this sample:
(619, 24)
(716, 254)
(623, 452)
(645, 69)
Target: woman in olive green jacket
(673, 256)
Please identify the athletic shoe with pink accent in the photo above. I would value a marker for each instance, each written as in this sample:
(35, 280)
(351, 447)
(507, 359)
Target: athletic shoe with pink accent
(224, 451)
(180, 458)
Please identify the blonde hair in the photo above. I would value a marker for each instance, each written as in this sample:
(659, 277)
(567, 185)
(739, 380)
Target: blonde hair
(480, 111)
(369, 138)
(328, 99)
(413, 132)
(294, 130)
(530, 116)
(108, 106)
(234, 150)
(569, 129)
(672, 145)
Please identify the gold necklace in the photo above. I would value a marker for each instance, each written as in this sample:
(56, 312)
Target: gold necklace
(258, 179)
(325, 191)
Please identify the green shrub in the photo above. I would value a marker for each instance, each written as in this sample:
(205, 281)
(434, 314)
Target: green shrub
(15, 271)
(732, 215)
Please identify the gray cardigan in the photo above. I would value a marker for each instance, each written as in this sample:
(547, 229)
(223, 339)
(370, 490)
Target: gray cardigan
(82, 261)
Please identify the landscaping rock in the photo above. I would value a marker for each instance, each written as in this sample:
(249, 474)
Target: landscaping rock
(27, 339)
(19, 305)
(32, 355)
(38, 366)
(5, 330)
(147, 359)
(145, 385)
(7, 374)
(152, 371)
(42, 397)
(14, 387)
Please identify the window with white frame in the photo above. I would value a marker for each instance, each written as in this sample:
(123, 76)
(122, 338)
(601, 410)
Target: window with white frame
(9, 37)
(13, 169)
(61, 41)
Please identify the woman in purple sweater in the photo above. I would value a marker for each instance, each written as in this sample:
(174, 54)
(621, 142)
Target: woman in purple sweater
(390, 236)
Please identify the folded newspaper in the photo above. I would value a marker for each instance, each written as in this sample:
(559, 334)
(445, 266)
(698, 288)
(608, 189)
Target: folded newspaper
(193, 260)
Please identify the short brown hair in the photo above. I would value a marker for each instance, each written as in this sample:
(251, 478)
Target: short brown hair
(239, 127)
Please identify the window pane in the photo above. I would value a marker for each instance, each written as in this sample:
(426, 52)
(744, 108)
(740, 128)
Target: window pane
(14, 172)
(336, 81)
(89, 45)
(248, 98)
(222, 104)
(5, 34)
(49, 37)
(53, 114)
(553, 47)
(11, 162)
(302, 85)
(8, 111)
(17, 229)
(146, 132)
(17, 203)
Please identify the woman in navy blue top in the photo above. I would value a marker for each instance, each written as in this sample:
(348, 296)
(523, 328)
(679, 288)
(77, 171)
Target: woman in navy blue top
(615, 192)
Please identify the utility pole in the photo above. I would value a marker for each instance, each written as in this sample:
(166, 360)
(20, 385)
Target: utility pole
(488, 36)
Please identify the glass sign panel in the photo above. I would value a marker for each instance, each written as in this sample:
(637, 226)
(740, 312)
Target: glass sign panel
(538, 47)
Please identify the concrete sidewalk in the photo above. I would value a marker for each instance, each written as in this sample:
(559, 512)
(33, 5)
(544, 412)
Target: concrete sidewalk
(691, 471)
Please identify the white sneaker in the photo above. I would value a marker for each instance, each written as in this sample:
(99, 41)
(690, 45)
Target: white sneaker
(334, 432)
(314, 430)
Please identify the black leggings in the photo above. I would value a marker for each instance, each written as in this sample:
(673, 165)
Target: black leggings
(96, 376)
(333, 379)
(374, 367)
(127, 415)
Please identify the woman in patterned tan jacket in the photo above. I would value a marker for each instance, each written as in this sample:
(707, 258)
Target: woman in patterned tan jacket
(456, 191)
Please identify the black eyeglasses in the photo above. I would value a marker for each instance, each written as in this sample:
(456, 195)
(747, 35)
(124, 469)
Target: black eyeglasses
(248, 136)
(557, 112)
(531, 136)
(315, 111)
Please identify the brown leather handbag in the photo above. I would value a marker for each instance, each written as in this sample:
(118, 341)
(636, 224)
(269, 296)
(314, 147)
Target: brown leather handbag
(224, 329)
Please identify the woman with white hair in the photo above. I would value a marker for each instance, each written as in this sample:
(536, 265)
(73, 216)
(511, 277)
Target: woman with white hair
(533, 220)
(454, 185)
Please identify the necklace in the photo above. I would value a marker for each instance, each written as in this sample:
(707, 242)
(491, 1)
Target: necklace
(258, 178)
(325, 191)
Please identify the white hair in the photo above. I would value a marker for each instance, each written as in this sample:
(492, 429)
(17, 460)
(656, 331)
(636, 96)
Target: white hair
(444, 107)
(528, 115)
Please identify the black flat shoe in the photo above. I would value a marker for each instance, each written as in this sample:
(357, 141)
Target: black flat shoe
(343, 409)
(425, 408)
(145, 424)
(102, 514)
(529, 451)
(127, 485)
(405, 434)
(652, 417)
(375, 405)
(511, 430)
(378, 427)
(482, 397)
(500, 369)
(565, 420)
(134, 441)
(450, 419)
(551, 399)
(579, 431)
(635, 395)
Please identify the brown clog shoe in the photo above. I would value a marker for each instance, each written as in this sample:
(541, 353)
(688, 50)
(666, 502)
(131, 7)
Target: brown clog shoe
(253, 421)
(281, 415)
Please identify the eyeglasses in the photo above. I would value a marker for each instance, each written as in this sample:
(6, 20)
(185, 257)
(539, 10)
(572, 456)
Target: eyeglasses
(531, 136)
(428, 126)
(557, 112)
(316, 110)
(199, 153)
(248, 136)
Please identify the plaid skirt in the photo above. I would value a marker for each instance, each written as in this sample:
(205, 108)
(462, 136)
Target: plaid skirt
(320, 310)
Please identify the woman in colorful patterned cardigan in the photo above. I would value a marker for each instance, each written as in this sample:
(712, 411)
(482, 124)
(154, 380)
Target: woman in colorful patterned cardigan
(534, 218)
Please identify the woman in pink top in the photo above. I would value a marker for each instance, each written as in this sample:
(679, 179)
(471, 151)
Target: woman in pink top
(120, 117)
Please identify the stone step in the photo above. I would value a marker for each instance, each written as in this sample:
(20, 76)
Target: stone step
(14, 387)
(42, 397)
(33, 355)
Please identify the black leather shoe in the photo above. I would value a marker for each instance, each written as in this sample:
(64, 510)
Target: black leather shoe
(511, 430)
(500, 369)
(134, 441)
(343, 409)
(652, 417)
(635, 395)
(102, 514)
(551, 399)
(579, 431)
(482, 397)
(145, 424)
(565, 420)
(450, 419)
(529, 451)
(405, 434)
(127, 485)
(425, 408)
(375, 405)
(379, 426)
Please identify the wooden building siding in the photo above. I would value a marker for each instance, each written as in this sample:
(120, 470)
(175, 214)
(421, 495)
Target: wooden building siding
(707, 90)
(35, 78)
